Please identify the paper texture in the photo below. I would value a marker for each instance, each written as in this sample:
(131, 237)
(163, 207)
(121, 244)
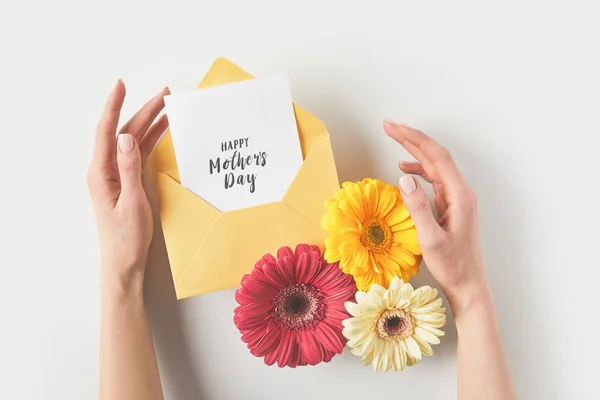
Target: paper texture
(236, 145)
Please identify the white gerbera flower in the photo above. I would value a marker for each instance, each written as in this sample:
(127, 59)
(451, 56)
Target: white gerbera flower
(395, 327)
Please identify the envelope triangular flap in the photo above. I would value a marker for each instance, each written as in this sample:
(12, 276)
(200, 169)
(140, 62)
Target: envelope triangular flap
(240, 238)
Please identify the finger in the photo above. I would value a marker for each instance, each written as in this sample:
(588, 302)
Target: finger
(418, 206)
(439, 200)
(152, 136)
(414, 168)
(141, 121)
(104, 149)
(432, 154)
(130, 167)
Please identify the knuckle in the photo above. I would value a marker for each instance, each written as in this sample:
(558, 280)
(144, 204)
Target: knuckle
(468, 200)
(92, 179)
(419, 207)
(434, 243)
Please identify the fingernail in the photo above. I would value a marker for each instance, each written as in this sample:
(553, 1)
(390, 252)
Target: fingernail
(407, 184)
(125, 141)
(166, 90)
(390, 121)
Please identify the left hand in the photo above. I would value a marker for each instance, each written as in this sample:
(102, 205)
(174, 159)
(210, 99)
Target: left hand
(123, 214)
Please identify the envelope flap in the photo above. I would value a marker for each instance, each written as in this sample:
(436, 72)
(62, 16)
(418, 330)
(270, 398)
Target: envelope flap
(186, 221)
(240, 238)
(316, 181)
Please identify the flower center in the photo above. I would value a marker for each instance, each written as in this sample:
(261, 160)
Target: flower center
(299, 306)
(394, 324)
(376, 236)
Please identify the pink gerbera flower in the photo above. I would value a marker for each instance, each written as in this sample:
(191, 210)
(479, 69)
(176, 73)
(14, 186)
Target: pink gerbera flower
(291, 308)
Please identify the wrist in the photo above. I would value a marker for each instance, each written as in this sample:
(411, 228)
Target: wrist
(121, 283)
(472, 297)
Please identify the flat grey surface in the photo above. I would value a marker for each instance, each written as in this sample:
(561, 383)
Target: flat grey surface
(511, 88)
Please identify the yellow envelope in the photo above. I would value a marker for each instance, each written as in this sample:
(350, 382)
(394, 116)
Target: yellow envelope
(210, 250)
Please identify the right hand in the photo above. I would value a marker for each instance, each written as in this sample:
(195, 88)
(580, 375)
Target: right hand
(450, 244)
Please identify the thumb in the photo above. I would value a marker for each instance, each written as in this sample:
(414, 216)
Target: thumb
(130, 165)
(419, 208)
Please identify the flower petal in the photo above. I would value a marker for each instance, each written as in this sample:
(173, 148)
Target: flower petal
(311, 349)
(268, 342)
(413, 347)
(274, 277)
(328, 338)
(408, 236)
(284, 252)
(287, 351)
(399, 215)
(259, 290)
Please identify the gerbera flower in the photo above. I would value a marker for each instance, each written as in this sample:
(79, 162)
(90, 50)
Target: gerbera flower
(291, 308)
(371, 234)
(396, 327)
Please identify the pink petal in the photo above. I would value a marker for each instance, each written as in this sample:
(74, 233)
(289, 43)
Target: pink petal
(302, 261)
(341, 294)
(252, 336)
(246, 324)
(286, 350)
(286, 268)
(272, 273)
(336, 305)
(272, 356)
(314, 267)
(253, 309)
(245, 278)
(328, 338)
(259, 289)
(268, 342)
(335, 314)
(312, 350)
(329, 275)
(259, 275)
(302, 248)
(266, 259)
(243, 297)
(328, 355)
(285, 252)
(341, 281)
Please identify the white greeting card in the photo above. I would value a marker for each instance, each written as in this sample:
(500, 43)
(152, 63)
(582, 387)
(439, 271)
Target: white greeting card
(236, 145)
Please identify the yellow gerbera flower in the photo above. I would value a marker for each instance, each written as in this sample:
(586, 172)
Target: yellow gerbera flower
(371, 233)
(394, 328)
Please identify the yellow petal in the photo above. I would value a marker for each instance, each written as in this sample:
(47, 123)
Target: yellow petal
(387, 262)
(399, 215)
(402, 257)
(408, 236)
(387, 200)
(371, 200)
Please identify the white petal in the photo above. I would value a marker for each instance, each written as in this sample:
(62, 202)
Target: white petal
(431, 329)
(426, 336)
(353, 308)
(429, 307)
(361, 297)
(413, 347)
(425, 347)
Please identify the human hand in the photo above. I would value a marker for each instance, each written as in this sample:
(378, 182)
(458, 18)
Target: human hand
(450, 245)
(123, 214)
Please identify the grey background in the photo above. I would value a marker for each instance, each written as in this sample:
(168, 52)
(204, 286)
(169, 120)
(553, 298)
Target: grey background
(510, 87)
